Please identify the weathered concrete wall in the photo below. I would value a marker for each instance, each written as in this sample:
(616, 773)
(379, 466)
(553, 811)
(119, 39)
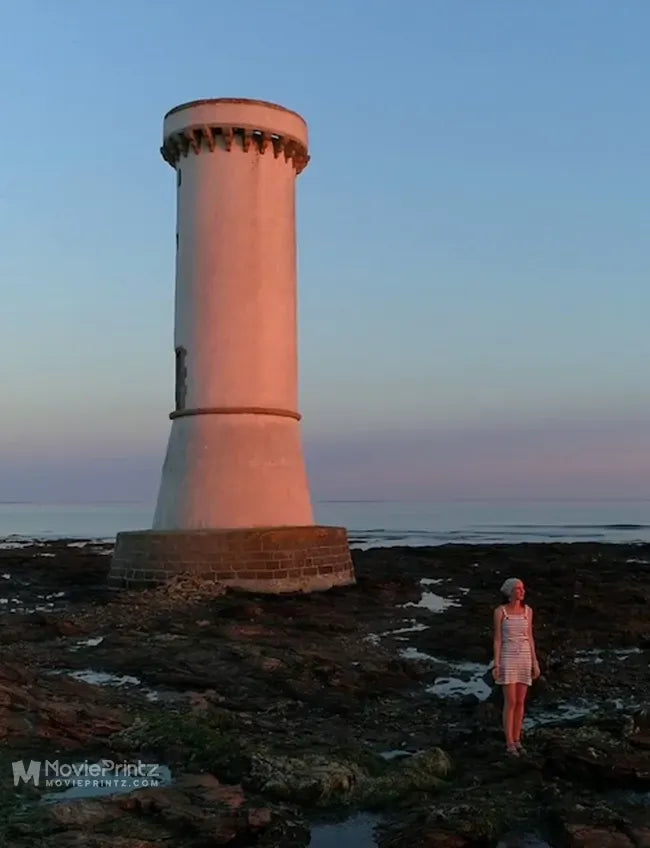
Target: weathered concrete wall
(234, 456)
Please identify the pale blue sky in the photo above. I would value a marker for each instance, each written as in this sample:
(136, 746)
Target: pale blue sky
(473, 239)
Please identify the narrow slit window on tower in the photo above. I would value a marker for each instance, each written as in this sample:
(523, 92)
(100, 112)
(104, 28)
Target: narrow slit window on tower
(181, 377)
(179, 176)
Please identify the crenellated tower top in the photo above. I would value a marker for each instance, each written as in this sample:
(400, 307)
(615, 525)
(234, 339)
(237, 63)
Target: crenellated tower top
(207, 125)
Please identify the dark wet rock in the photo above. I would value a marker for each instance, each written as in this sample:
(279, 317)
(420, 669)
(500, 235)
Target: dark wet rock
(592, 821)
(637, 729)
(34, 708)
(641, 837)
(281, 706)
(82, 814)
(424, 836)
(595, 757)
(584, 836)
(198, 809)
(442, 840)
(81, 839)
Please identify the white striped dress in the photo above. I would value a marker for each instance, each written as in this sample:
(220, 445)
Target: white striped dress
(516, 655)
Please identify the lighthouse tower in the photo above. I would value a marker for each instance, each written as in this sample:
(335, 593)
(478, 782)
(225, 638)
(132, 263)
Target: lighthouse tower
(234, 502)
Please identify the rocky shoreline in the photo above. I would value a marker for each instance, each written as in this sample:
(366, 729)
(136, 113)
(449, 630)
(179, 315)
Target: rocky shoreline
(361, 716)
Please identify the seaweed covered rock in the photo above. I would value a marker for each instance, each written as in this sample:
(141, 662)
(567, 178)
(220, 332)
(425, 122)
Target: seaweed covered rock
(198, 808)
(310, 779)
(425, 771)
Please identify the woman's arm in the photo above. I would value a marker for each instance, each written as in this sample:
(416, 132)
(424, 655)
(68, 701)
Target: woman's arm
(531, 640)
(496, 643)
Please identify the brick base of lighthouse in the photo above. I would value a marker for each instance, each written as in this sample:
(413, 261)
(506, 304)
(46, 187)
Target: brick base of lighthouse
(272, 560)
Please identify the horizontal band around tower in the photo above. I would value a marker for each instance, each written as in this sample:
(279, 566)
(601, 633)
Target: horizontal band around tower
(209, 138)
(236, 410)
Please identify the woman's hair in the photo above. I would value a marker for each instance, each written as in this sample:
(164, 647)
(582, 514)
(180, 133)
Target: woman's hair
(508, 586)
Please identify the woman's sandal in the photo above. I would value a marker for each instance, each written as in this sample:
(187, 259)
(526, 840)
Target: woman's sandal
(512, 751)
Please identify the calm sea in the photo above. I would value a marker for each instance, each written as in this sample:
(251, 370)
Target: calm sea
(372, 523)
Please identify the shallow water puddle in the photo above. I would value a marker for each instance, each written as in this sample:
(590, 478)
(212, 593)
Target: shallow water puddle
(433, 602)
(398, 754)
(455, 687)
(87, 643)
(430, 601)
(412, 628)
(356, 832)
(471, 683)
(451, 686)
(73, 788)
(104, 678)
(559, 714)
(47, 604)
(629, 796)
(47, 607)
(568, 711)
(599, 655)
(412, 653)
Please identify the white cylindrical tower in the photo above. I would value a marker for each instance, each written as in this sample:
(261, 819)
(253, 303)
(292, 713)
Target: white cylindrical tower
(234, 504)
(234, 457)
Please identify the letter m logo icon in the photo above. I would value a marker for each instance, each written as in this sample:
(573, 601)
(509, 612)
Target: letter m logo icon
(32, 772)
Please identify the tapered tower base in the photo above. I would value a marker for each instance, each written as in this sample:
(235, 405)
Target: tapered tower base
(270, 560)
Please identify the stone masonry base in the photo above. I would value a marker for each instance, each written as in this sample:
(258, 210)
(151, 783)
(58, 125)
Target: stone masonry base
(273, 559)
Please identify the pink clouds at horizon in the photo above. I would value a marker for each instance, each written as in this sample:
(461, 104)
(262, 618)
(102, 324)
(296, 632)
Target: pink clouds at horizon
(605, 462)
(545, 460)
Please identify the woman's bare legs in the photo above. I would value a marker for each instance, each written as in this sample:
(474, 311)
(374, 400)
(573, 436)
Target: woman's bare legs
(521, 690)
(509, 706)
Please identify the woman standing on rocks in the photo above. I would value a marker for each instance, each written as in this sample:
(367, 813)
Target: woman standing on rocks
(515, 660)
